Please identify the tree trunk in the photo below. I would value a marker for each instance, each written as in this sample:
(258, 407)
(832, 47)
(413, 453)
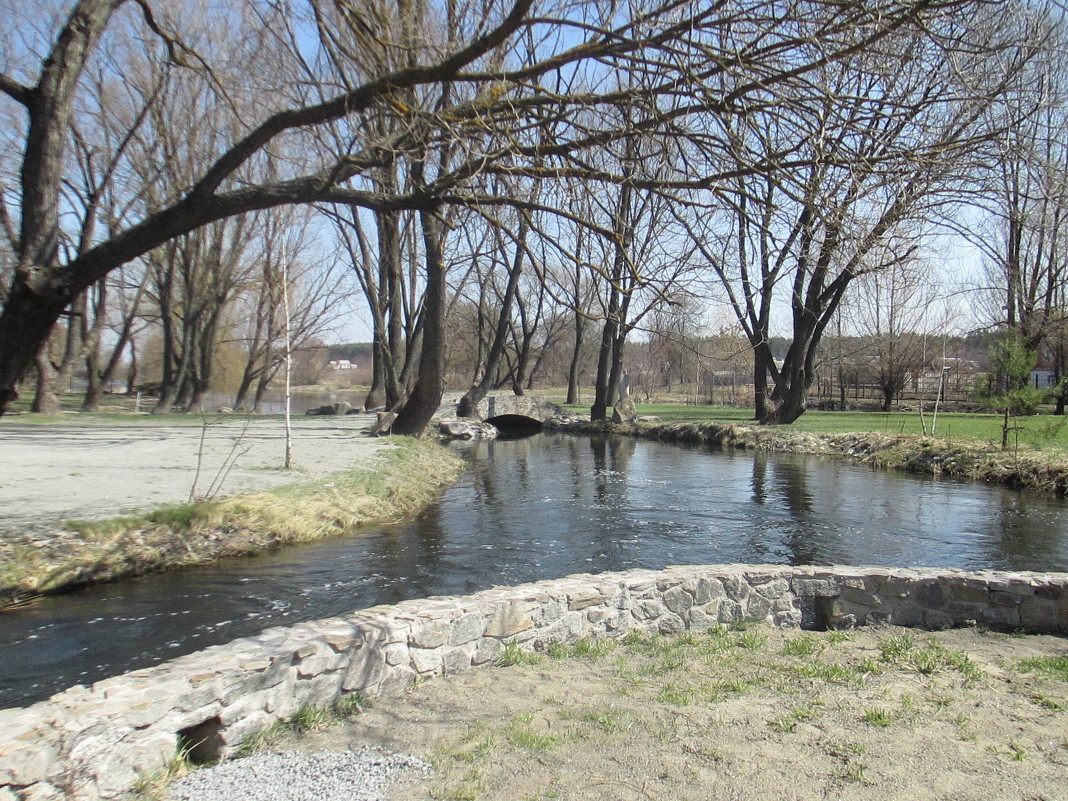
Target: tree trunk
(376, 397)
(46, 397)
(888, 398)
(241, 396)
(425, 397)
(392, 279)
(93, 388)
(760, 382)
(573, 369)
(479, 390)
(786, 406)
(602, 390)
(131, 374)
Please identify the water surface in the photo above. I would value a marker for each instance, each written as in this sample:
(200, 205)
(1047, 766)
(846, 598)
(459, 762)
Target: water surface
(535, 508)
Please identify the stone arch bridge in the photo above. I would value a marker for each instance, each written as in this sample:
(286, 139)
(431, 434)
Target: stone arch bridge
(516, 411)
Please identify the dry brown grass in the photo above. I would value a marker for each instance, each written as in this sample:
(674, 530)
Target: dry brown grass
(403, 480)
(1043, 471)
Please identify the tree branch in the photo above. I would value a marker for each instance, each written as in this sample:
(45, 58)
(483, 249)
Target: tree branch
(15, 90)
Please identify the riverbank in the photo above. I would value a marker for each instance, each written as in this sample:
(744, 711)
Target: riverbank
(396, 477)
(740, 711)
(1040, 471)
(687, 626)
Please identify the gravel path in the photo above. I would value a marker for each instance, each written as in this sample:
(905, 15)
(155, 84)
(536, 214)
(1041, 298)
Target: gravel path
(361, 775)
(53, 472)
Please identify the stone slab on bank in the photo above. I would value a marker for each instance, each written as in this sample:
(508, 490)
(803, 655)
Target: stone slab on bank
(94, 742)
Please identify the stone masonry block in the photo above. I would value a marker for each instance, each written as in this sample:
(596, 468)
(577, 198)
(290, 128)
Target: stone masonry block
(366, 669)
(583, 599)
(233, 736)
(319, 691)
(552, 610)
(1038, 614)
(757, 607)
(930, 594)
(243, 707)
(708, 589)
(648, 610)
(861, 596)
(730, 612)
(935, 620)
(620, 598)
(1002, 598)
(25, 762)
(426, 660)
(815, 588)
(396, 680)
(701, 620)
(670, 624)
(773, 589)
(43, 791)
(466, 628)
(965, 611)
(1001, 617)
(678, 600)
(509, 619)
(737, 588)
(487, 650)
(897, 588)
(429, 633)
(456, 660)
(396, 654)
(969, 593)
(1051, 591)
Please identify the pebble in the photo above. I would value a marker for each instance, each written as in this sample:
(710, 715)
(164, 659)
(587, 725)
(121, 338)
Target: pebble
(363, 774)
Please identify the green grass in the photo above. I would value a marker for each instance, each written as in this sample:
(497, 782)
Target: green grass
(879, 717)
(306, 719)
(512, 654)
(1054, 667)
(155, 785)
(1039, 431)
(519, 735)
(928, 657)
(805, 645)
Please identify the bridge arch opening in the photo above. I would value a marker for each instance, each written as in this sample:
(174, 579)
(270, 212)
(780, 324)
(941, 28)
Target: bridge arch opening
(515, 423)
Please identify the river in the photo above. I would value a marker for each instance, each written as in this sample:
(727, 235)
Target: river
(542, 507)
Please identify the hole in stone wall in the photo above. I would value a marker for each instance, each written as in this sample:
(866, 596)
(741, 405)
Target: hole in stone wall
(816, 612)
(202, 743)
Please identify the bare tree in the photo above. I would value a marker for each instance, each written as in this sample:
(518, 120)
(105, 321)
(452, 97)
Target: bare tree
(476, 87)
(890, 313)
(884, 145)
(1025, 197)
(316, 292)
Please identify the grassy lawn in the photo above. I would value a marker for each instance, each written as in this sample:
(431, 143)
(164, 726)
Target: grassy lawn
(1044, 431)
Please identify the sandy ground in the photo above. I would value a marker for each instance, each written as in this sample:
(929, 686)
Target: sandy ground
(52, 472)
(887, 714)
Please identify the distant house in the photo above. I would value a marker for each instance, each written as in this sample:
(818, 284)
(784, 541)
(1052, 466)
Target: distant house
(1043, 379)
(341, 364)
(948, 375)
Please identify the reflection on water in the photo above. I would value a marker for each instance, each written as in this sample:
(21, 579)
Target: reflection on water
(543, 507)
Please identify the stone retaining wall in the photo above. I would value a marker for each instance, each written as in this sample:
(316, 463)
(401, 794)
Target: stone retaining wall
(89, 743)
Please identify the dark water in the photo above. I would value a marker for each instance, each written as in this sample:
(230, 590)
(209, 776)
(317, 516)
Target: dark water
(535, 508)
